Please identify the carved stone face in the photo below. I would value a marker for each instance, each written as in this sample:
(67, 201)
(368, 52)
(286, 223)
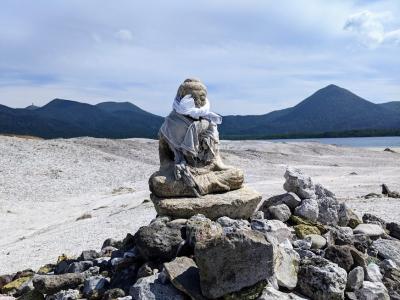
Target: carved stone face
(195, 88)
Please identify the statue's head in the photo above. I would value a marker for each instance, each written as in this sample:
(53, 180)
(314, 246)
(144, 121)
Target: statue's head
(194, 87)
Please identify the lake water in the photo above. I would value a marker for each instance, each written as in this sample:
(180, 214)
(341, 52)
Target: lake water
(381, 142)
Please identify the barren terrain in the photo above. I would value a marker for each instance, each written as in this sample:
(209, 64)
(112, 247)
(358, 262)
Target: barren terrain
(46, 185)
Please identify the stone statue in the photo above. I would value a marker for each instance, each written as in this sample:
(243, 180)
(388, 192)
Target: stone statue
(190, 162)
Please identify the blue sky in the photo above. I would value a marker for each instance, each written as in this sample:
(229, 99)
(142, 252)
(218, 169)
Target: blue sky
(254, 56)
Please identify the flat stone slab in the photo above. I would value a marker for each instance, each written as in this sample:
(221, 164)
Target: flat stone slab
(237, 204)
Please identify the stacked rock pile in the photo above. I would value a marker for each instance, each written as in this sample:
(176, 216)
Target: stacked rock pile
(302, 244)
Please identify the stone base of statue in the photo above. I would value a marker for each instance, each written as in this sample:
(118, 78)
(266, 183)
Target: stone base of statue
(164, 185)
(237, 204)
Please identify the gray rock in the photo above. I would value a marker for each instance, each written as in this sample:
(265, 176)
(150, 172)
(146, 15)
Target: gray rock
(200, 228)
(65, 295)
(373, 273)
(328, 209)
(372, 291)
(286, 266)
(269, 293)
(234, 261)
(342, 235)
(290, 199)
(280, 212)
(229, 224)
(113, 294)
(304, 244)
(276, 231)
(372, 219)
(299, 183)
(184, 275)
(322, 192)
(89, 255)
(305, 253)
(387, 265)
(321, 279)
(372, 230)
(317, 241)
(158, 241)
(111, 243)
(394, 229)
(152, 288)
(95, 287)
(389, 249)
(238, 204)
(355, 279)
(308, 209)
(51, 284)
(79, 266)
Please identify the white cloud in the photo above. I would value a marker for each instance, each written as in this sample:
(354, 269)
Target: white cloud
(124, 35)
(370, 28)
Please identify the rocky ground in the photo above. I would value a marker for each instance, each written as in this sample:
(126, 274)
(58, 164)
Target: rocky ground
(301, 244)
(46, 186)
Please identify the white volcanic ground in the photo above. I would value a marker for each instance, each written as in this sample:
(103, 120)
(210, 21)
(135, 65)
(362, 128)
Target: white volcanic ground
(46, 185)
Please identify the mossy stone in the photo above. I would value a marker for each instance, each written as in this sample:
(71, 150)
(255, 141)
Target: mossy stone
(303, 230)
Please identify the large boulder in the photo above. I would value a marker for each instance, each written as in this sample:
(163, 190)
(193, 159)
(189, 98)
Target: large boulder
(164, 185)
(389, 249)
(237, 204)
(233, 261)
(159, 241)
(154, 288)
(319, 278)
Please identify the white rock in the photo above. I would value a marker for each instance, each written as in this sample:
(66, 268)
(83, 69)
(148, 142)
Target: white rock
(151, 288)
(373, 273)
(317, 241)
(276, 231)
(372, 291)
(286, 266)
(372, 230)
(299, 183)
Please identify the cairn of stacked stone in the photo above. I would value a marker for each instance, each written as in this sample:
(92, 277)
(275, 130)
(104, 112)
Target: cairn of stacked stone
(214, 238)
(302, 244)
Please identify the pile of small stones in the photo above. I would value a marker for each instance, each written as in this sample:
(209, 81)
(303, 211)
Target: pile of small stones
(303, 244)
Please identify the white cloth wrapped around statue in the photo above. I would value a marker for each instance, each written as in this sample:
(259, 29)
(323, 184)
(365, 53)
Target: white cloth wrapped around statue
(190, 164)
(192, 130)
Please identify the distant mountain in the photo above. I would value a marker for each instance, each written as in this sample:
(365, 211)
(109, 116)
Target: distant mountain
(327, 111)
(331, 109)
(393, 106)
(66, 118)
